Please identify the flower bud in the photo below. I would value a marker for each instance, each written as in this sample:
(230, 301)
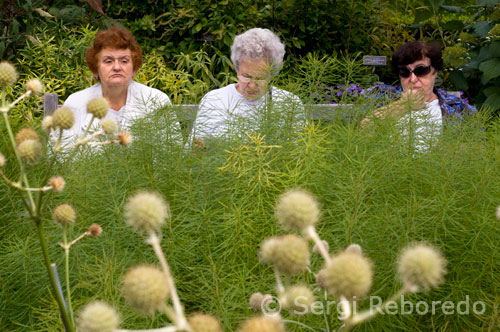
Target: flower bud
(297, 209)
(348, 274)
(124, 138)
(145, 288)
(57, 183)
(262, 324)
(63, 118)
(30, 151)
(298, 299)
(316, 249)
(98, 317)
(354, 248)
(8, 74)
(257, 300)
(95, 230)
(204, 323)
(26, 133)
(47, 124)
(421, 267)
(34, 85)
(98, 107)
(110, 126)
(2, 160)
(64, 214)
(146, 211)
(289, 254)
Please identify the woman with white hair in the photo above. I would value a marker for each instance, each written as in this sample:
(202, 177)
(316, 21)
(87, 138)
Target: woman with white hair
(257, 56)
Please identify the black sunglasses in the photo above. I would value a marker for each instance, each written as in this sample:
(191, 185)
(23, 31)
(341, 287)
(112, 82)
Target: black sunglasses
(419, 71)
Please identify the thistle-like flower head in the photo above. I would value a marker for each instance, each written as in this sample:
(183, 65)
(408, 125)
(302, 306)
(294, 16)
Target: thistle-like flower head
(26, 133)
(57, 183)
(297, 209)
(146, 211)
(63, 118)
(348, 274)
(98, 107)
(124, 138)
(204, 323)
(145, 288)
(262, 324)
(30, 151)
(289, 254)
(110, 126)
(35, 86)
(64, 214)
(8, 74)
(98, 317)
(95, 230)
(298, 298)
(421, 266)
(47, 124)
(257, 300)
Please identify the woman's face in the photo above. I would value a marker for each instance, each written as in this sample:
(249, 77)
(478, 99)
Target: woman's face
(424, 83)
(115, 67)
(253, 78)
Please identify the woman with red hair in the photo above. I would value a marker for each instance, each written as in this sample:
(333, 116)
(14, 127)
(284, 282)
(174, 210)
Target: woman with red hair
(114, 58)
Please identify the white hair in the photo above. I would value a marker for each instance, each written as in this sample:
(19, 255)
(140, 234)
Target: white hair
(258, 43)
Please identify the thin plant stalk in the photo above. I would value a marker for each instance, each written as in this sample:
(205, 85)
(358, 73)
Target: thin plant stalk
(66, 272)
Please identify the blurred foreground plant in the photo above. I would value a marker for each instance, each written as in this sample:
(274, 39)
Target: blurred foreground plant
(346, 275)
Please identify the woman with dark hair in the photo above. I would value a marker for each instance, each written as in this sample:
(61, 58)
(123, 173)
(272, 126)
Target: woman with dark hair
(114, 58)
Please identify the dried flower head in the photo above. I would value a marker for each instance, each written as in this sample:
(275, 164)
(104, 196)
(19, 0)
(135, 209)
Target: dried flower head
(2, 160)
(289, 254)
(110, 126)
(299, 299)
(8, 74)
(204, 323)
(63, 118)
(262, 324)
(95, 230)
(421, 266)
(35, 86)
(257, 300)
(146, 211)
(64, 214)
(30, 151)
(57, 183)
(348, 274)
(98, 317)
(26, 133)
(124, 138)
(297, 209)
(98, 107)
(316, 249)
(47, 123)
(145, 288)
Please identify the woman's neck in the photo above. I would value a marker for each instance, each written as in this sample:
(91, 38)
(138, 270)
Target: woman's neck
(116, 96)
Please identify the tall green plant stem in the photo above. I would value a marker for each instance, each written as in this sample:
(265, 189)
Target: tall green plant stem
(66, 268)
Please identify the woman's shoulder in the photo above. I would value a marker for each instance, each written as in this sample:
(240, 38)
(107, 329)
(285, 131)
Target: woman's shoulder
(142, 91)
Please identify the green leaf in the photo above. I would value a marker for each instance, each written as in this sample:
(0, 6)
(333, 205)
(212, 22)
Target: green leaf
(493, 101)
(487, 3)
(453, 9)
(484, 53)
(197, 27)
(490, 69)
(491, 90)
(495, 49)
(481, 28)
(454, 25)
(458, 80)
(422, 14)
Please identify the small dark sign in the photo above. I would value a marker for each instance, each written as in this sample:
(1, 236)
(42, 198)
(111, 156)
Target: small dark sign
(374, 60)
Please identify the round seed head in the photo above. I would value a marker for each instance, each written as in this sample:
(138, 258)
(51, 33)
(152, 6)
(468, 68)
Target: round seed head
(421, 266)
(57, 183)
(145, 288)
(355, 249)
(95, 230)
(299, 299)
(297, 209)
(124, 138)
(2, 160)
(204, 323)
(47, 123)
(34, 85)
(98, 317)
(289, 254)
(262, 324)
(64, 214)
(30, 151)
(8, 74)
(26, 133)
(98, 107)
(63, 118)
(146, 211)
(348, 274)
(110, 126)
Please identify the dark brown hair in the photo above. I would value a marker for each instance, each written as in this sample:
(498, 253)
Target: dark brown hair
(417, 50)
(117, 38)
